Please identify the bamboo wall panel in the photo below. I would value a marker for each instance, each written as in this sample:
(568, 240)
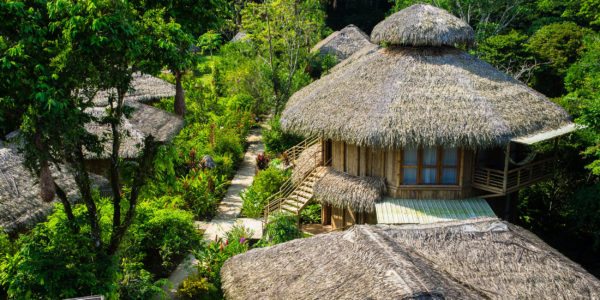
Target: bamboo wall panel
(352, 159)
(363, 162)
(338, 155)
(337, 218)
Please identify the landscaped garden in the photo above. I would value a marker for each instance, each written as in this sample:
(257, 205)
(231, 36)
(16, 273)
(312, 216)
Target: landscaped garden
(56, 55)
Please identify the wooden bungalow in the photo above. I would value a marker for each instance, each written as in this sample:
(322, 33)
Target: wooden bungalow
(343, 43)
(474, 259)
(418, 130)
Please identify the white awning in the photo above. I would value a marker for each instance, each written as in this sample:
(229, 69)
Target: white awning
(546, 135)
(427, 211)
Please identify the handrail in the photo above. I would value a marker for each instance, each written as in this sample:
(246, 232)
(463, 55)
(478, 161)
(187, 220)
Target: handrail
(294, 152)
(275, 201)
(493, 180)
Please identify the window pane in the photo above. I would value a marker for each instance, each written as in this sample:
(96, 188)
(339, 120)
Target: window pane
(410, 157)
(449, 176)
(410, 176)
(430, 156)
(428, 175)
(450, 157)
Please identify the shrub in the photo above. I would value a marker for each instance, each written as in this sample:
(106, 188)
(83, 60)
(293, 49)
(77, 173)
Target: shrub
(137, 283)
(162, 237)
(276, 141)
(282, 227)
(311, 214)
(262, 161)
(266, 183)
(197, 287)
(215, 254)
(54, 263)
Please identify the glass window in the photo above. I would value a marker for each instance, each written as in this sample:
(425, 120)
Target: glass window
(410, 176)
(428, 175)
(450, 157)
(430, 166)
(429, 157)
(449, 176)
(410, 157)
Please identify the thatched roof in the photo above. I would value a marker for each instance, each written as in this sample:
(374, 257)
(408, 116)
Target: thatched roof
(132, 138)
(306, 161)
(347, 191)
(144, 88)
(397, 96)
(468, 260)
(423, 25)
(21, 206)
(144, 120)
(150, 120)
(342, 44)
(419, 96)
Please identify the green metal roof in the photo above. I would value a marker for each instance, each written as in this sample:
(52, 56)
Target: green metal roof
(425, 211)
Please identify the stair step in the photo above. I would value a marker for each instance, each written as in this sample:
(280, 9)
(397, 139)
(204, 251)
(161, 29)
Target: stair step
(307, 189)
(298, 198)
(302, 194)
(289, 208)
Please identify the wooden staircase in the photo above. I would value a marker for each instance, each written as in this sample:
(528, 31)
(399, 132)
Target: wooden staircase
(299, 197)
(293, 197)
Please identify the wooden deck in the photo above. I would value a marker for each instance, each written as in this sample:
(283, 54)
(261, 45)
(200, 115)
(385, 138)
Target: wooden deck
(504, 182)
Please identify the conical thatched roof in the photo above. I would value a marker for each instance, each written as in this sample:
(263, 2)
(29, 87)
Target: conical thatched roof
(144, 88)
(484, 259)
(423, 25)
(397, 96)
(21, 206)
(343, 43)
(346, 191)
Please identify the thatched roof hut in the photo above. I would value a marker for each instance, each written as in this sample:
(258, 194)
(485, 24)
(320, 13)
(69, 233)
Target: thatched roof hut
(144, 88)
(21, 206)
(483, 259)
(144, 120)
(420, 91)
(343, 43)
(343, 190)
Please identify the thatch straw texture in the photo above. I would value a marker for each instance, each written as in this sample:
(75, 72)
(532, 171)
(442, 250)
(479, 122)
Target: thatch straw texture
(484, 259)
(144, 88)
(162, 125)
(144, 120)
(342, 44)
(306, 162)
(346, 191)
(398, 96)
(21, 206)
(423, 25)
(132, 138)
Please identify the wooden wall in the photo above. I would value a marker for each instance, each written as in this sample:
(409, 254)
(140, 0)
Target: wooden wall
(367, 161)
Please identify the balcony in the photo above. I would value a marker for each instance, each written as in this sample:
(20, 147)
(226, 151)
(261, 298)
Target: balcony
(501, 183)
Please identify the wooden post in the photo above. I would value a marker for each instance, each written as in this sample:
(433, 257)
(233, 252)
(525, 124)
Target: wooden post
(506, 162)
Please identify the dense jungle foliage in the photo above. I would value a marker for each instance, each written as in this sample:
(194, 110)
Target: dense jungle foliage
(55, 54)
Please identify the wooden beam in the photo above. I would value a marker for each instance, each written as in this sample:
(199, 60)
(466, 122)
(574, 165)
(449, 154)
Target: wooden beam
(506, 162)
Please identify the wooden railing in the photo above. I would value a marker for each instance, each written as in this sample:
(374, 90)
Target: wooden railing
(496, 181)
(275, 201)
(292, 154)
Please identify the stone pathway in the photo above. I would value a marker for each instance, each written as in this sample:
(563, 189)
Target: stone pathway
(228, 211)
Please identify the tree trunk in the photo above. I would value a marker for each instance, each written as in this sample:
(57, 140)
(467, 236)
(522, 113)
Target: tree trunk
(143, 171)
(67, 205)
(179, 95)
(83, 182)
